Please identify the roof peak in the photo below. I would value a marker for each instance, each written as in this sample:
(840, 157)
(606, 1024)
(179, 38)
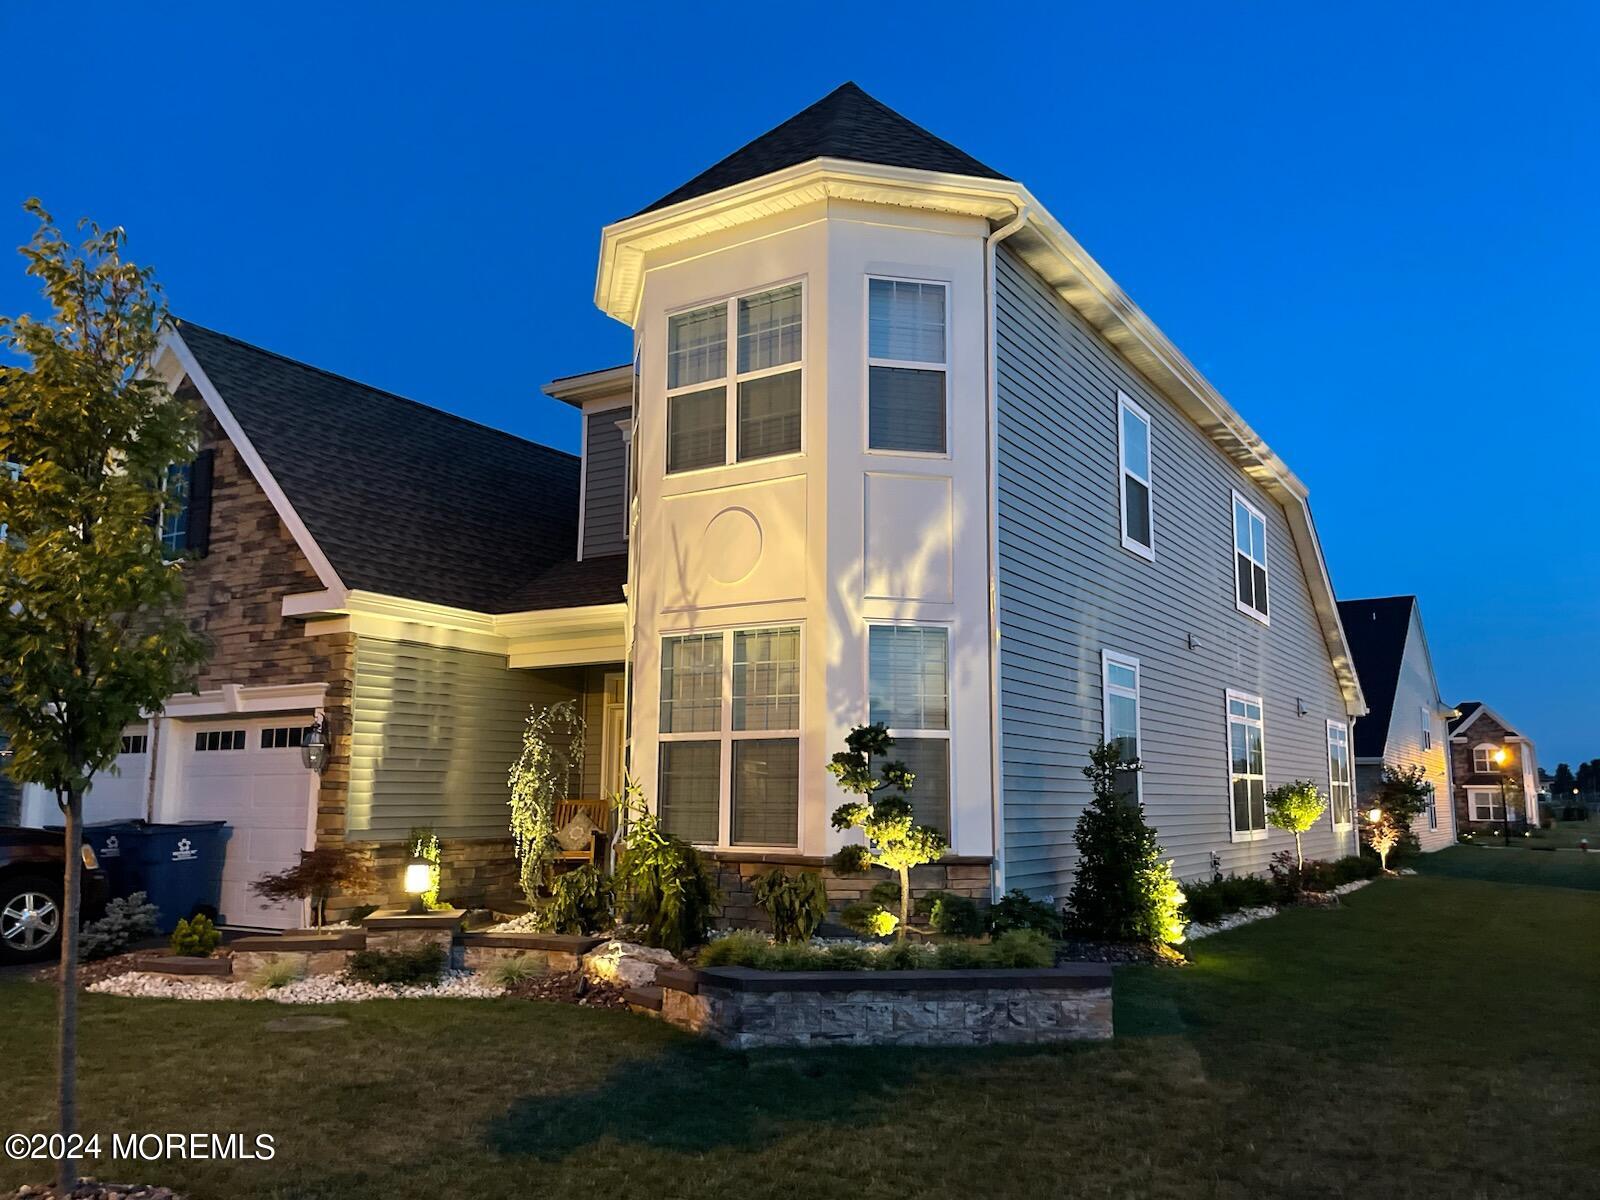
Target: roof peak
(847, 123)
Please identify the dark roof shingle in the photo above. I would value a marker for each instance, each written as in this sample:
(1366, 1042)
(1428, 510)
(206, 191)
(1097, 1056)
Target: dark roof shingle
(1376, 632)
(405, 500)
(846, 123)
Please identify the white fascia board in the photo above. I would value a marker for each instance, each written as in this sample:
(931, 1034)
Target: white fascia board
(604, 384)
(238, 699)
(172, 340)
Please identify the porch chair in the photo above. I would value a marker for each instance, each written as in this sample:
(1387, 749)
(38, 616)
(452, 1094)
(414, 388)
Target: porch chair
(600, 813)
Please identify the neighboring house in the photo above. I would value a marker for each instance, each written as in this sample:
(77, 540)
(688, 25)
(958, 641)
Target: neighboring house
(1495, 770)
(1405, 725)
(891, 447)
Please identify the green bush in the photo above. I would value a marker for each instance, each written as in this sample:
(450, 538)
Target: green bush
(195, 938)
(420, 965)
(953, 916)
(1017, 948)
(126, 920)
(662, 882)
(1355, 866)
(581, 901)
(1022, 948)
(795, 904)
(1247, 891)
(1203, 903)
(1017, 910)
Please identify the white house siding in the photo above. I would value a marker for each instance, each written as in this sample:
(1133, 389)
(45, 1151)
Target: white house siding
(1416, 690)
(1068, 590)
(604, 483)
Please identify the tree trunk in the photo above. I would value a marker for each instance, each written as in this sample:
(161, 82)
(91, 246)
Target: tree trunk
(1299, 858)
(67, 982)
(905, 902)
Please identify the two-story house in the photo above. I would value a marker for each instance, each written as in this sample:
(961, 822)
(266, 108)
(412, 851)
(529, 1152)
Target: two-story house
(1406, 723)
(1495, 770)
(891, 447)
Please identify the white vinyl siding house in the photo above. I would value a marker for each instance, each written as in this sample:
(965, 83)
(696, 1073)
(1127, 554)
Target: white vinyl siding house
(1069, 589)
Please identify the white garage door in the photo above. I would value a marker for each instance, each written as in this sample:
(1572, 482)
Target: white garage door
(249, 774)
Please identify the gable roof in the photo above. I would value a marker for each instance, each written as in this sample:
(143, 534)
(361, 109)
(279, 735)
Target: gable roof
(846, 123)
(1471, 710)
(402, 499)
(1376, 632)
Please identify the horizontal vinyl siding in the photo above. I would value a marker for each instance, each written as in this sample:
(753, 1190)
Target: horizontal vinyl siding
(1068, 590)
(605, 484)
(435, 733)
(1414, 690)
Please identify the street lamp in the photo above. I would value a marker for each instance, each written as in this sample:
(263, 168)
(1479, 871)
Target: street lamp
(1501, 758)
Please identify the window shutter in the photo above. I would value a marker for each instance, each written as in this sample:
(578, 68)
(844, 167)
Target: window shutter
(199, 533)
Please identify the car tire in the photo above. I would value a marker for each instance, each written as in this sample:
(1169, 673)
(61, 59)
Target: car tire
(30, 918)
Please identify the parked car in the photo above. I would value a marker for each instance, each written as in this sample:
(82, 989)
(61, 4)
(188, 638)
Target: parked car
(31, 869)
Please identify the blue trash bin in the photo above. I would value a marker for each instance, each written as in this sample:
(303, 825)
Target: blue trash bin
(179, 866)
(115, 846)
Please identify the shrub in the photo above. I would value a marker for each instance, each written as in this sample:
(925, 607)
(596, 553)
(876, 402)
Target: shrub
(1355, 866)
(423, 843)
(1123, 891)
(1017, 910)
(126, 920)
(581, 901)
(1318, 876)
(1240, 892)
(1022, 948)
(1294, 808)
(1203, 903)
(552, 755)
(795, 904)
(320, 873)
(662, 881)
(1018, 948)
(954, 916)
(195, 938)
(276, 973)
(419, 965)
(894, 839)
(509, 972)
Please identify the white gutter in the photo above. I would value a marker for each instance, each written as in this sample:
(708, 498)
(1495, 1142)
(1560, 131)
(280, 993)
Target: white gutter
(997, 876)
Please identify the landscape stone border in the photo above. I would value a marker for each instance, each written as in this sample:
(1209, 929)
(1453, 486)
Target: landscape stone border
(553, 952)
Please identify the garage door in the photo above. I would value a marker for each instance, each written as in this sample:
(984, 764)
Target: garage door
(249, 774)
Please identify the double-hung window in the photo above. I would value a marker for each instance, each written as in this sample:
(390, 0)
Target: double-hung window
(1340, 800)
(730, 726)
(1433, 808)
(1426, 718)
(1119, 675)
(716, 415)
(907, 366)
(1249, 558)
(1133, 451)
(1247, 766)
(908, 687)
(1486, 803)
(175, 509)
(1483, 759)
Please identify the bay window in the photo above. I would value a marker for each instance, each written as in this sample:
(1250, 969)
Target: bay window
(716, 416)
(907, 366)
(908, 688)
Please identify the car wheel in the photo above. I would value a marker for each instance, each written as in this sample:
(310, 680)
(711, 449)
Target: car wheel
(30, 918)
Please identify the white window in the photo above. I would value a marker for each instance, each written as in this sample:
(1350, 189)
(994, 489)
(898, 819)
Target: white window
(908, 690)
(1483, 758)
(1119, 674)
(1247, 767)
(730, 726)
(1433, 808)
(1249, 558)
(1340, 805)
(175, 509)
(907, 366)
(1427, 727)
(1486, 803)
(1133, 450)
(714, 418)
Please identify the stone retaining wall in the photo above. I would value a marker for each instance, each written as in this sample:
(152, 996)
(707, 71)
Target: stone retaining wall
(552, 953)
(748, 1009)
(735, 874)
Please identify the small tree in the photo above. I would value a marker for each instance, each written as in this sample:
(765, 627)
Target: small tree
(91, 633)
(1403, 794)
(1123, 891)
(894, 839)
(1294, 808)
(1382, 835)
(320, 874)
(552, 755)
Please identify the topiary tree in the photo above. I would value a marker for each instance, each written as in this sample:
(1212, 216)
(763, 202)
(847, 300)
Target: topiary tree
(552, 756)
(1123, 891)
(894, 839)
(1294, 808)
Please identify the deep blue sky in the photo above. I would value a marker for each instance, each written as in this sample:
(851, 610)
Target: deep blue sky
(1374, 228)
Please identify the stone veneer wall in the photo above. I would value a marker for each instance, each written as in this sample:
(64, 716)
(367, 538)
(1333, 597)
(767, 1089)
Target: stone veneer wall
(735, 873)
(473, 873)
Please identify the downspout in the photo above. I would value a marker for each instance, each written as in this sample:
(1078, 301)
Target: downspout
(997, 876)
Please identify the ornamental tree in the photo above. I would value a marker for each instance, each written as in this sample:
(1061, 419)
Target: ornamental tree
(893, 838)
(1403, 794)
(1383, 835)
(320, 874)
(552, 756)
(91, 636)
(1294, 808)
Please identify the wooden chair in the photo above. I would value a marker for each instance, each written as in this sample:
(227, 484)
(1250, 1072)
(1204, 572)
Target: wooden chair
(598, 811)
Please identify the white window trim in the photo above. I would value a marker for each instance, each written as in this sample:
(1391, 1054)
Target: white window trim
(1109, 689)
(1426, 726)
(1244, 835)
(1433, 807)
(1350, 767)
(733, 377)
(870, 362)
(1238, 499)
(947, 733)
(725, 735)
(1497, 799)
(1125, 403)
(1490, 765)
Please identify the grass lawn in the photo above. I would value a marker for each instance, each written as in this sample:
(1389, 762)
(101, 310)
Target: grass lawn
(1320, 1054)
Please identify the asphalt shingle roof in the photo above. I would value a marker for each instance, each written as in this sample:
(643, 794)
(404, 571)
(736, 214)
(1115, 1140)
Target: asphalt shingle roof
(1376, 633)
(406, 500)
(846, 123)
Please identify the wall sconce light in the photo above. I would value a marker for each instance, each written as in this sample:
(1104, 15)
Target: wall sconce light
(418, 879)
(314, 744)
(1300, 707)
(1194, 642)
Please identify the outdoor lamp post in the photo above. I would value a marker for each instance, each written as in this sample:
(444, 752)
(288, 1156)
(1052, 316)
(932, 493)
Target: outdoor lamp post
(419, 878)
(1500, 760)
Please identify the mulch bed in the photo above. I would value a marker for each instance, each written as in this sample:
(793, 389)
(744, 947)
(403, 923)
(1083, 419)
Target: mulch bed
(570, 987)
(1138, 953)
(105, 968)
(89, 1189)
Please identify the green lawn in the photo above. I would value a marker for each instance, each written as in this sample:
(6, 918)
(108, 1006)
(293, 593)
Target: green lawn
(1321, 1054)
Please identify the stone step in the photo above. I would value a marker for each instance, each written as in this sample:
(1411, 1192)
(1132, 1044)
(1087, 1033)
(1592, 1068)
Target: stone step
(647, 996)
(176, 964)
